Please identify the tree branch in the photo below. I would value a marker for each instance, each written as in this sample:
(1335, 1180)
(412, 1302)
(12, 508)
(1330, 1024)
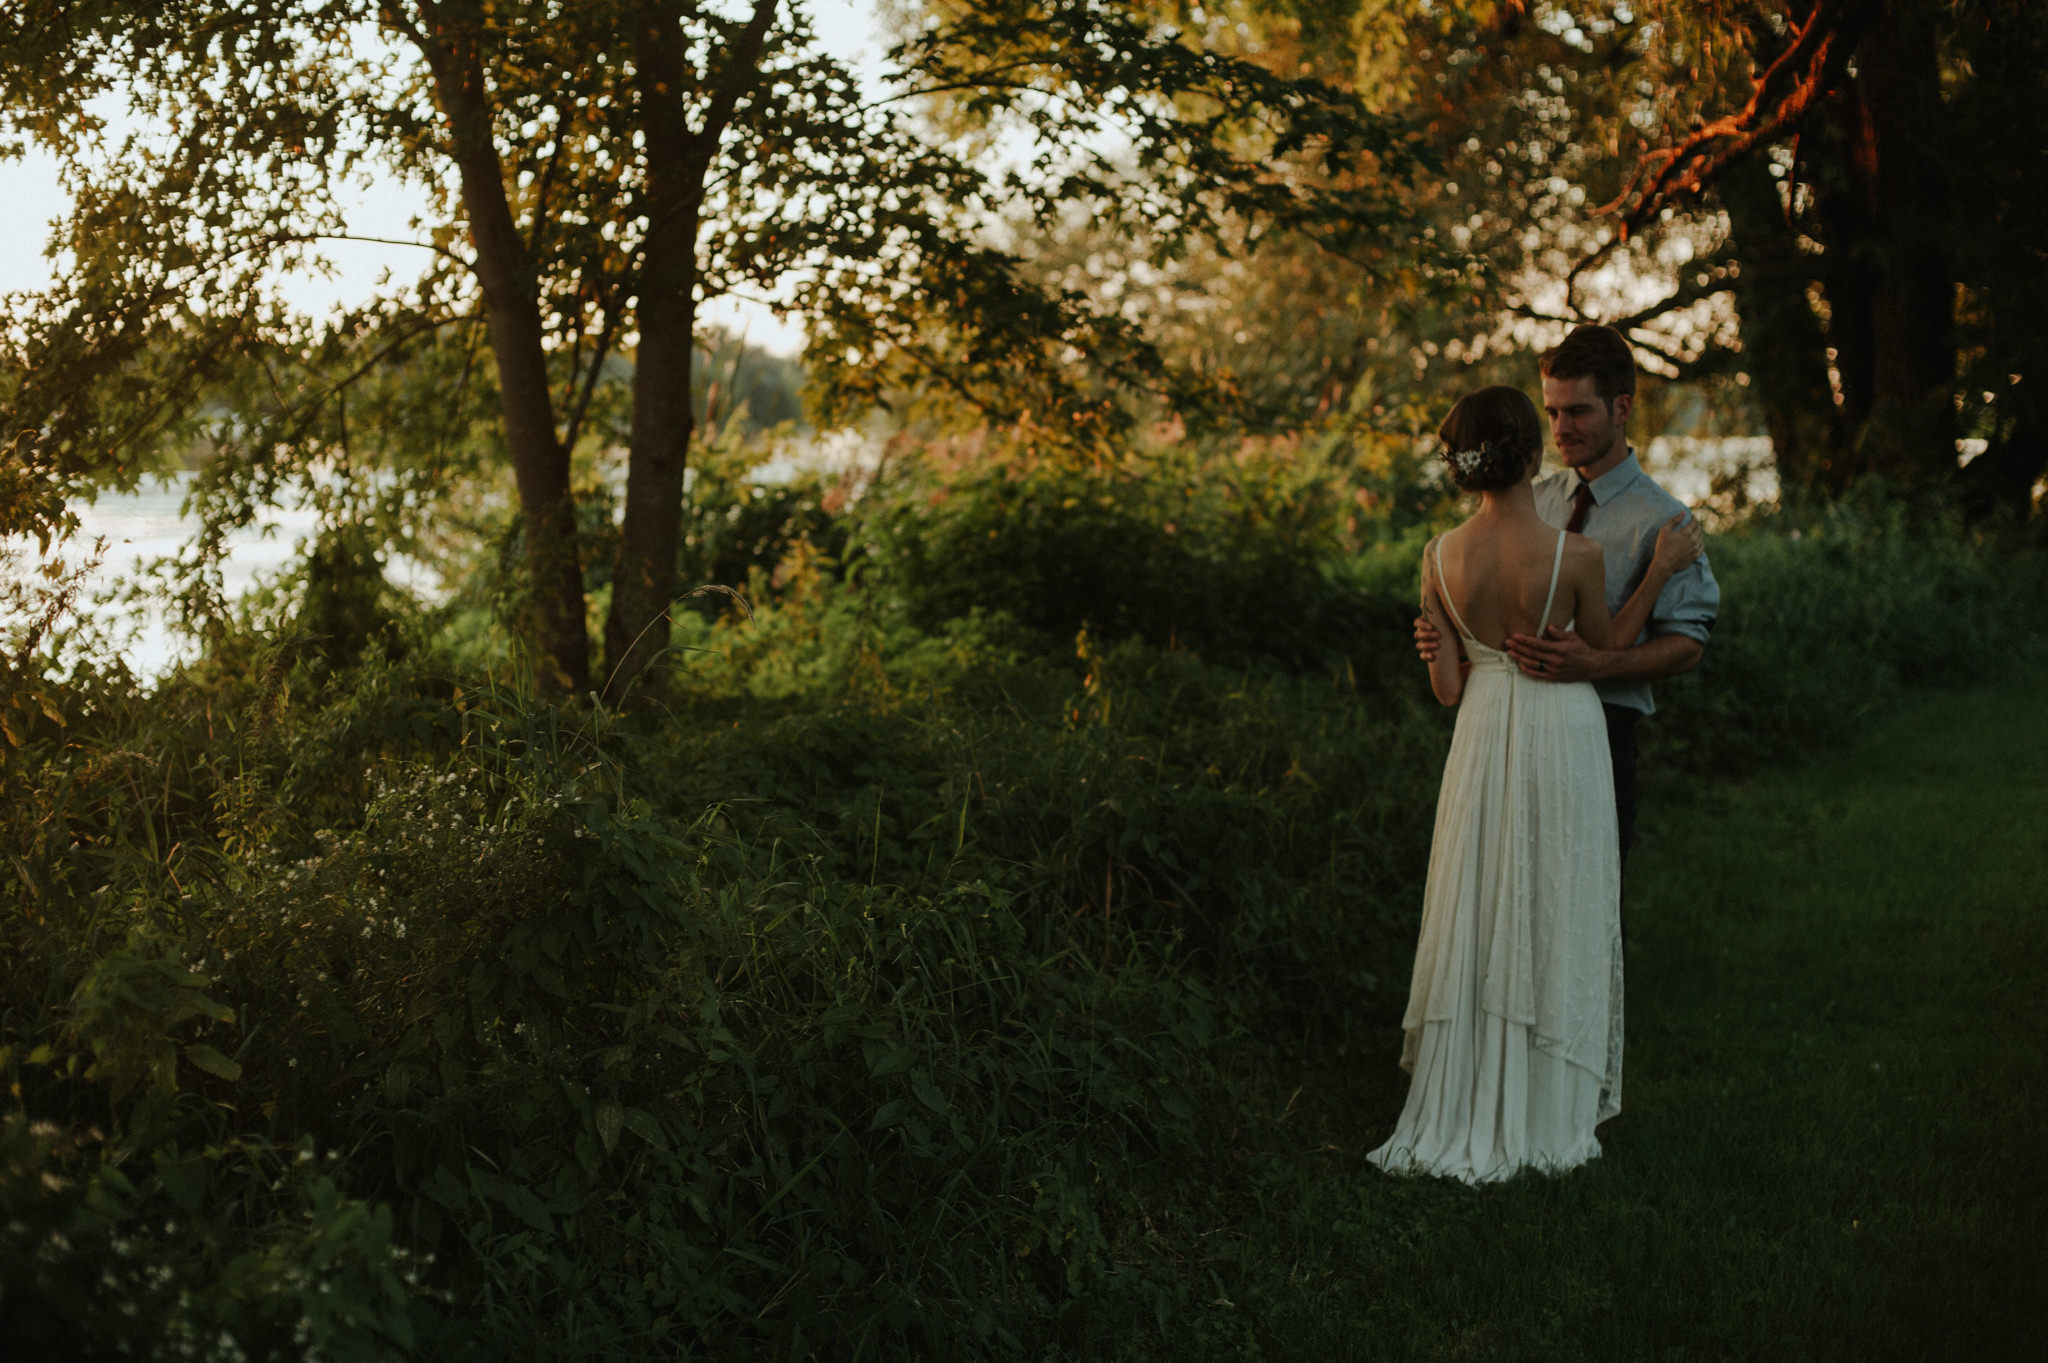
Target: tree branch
(420, 328)
(438, 250)
(597, 358)
(1778, 99)
(740, 68)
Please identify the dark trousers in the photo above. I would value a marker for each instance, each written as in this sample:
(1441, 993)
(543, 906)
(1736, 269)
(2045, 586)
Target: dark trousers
(1621, 747)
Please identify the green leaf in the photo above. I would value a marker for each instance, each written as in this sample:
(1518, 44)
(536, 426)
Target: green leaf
(212, 1061)
(928, 1093)
(892, 1057)
(527, 1207)
(516, 1197)
(445, 1188)
(611, 1115)
(647, 1129)
(190, 1003)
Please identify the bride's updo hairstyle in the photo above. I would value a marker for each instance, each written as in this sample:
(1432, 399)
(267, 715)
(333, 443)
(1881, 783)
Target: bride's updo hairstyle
(1489, 438)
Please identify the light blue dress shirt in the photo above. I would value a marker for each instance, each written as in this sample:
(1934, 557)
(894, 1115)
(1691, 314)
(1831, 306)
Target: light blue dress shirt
(1627, 512)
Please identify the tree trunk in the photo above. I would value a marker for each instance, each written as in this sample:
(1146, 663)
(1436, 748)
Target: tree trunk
(1911, 434)
(1882, 196)
(1830, 151)
(552, 616)
(644, 575)
(1784, 352)
(678, 161)
(1998, 115)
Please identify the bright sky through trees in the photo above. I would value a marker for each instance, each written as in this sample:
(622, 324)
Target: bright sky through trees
(848, 29)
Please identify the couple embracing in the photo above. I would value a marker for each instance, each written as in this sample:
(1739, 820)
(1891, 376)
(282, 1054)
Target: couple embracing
(1545, 617)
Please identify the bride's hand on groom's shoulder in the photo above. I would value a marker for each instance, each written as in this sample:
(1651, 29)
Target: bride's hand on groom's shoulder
(1680, 541)
(1559, 656)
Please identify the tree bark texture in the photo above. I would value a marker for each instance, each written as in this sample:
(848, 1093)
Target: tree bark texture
(553, 616)
(1784, 351)
(1881, 189)
(1912, 421)
(678, 161)
(643, 575)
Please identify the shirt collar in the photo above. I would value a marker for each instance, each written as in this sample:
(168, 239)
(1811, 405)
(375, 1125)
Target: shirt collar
(1608, 484)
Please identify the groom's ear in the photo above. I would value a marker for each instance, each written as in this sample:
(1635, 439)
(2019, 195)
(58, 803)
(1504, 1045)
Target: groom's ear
(1623, 404)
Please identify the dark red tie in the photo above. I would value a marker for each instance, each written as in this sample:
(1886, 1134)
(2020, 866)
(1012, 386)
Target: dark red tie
(1582, 502)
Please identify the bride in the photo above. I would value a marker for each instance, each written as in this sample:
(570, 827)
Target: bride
(1513, 1028)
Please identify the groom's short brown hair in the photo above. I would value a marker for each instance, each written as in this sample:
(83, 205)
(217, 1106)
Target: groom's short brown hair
(1599, 351)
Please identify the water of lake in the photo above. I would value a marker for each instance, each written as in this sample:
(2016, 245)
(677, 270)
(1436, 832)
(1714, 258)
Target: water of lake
(1688, 465)
(150, 523)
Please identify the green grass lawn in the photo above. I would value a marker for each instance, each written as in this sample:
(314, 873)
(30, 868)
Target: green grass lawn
(1836, 1104)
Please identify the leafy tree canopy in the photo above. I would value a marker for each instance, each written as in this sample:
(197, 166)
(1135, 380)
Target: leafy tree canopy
(595, 172)
(1814, 198)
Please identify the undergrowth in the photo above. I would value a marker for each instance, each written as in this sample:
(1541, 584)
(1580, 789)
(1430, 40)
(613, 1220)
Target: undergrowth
(888, 979)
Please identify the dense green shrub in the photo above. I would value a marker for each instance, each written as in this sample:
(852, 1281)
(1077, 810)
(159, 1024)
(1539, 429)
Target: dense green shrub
(1829, 611)
(634, 1083)
(1237, 557)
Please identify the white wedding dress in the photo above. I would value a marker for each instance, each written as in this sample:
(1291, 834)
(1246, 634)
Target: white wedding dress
(1514, 1013)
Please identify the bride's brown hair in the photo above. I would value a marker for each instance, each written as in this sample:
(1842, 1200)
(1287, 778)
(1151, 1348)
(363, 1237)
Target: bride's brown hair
(1489, 437)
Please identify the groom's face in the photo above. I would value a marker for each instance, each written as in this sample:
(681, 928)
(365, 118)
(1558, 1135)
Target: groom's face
(1587, 430)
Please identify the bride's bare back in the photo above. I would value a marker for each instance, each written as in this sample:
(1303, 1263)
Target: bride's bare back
(1496, 574)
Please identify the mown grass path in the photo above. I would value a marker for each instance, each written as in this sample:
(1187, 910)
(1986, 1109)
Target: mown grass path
(1835, 1142)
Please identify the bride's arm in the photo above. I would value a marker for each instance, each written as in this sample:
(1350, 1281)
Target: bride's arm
(1446, 668)
(1679, 542)
(1587, 569)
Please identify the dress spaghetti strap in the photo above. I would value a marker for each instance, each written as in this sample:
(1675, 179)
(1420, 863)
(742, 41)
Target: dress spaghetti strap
(1556, 562)
(1443, 591)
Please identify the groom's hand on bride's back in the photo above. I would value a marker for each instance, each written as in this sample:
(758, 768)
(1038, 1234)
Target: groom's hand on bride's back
(1559, 656)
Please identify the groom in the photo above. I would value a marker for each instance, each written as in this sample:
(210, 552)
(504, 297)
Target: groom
(1589, 386)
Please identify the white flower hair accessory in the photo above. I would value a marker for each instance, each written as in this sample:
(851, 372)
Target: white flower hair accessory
(1468, 461)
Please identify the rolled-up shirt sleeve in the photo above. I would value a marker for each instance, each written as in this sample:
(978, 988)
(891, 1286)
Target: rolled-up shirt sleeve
(1688, 604)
